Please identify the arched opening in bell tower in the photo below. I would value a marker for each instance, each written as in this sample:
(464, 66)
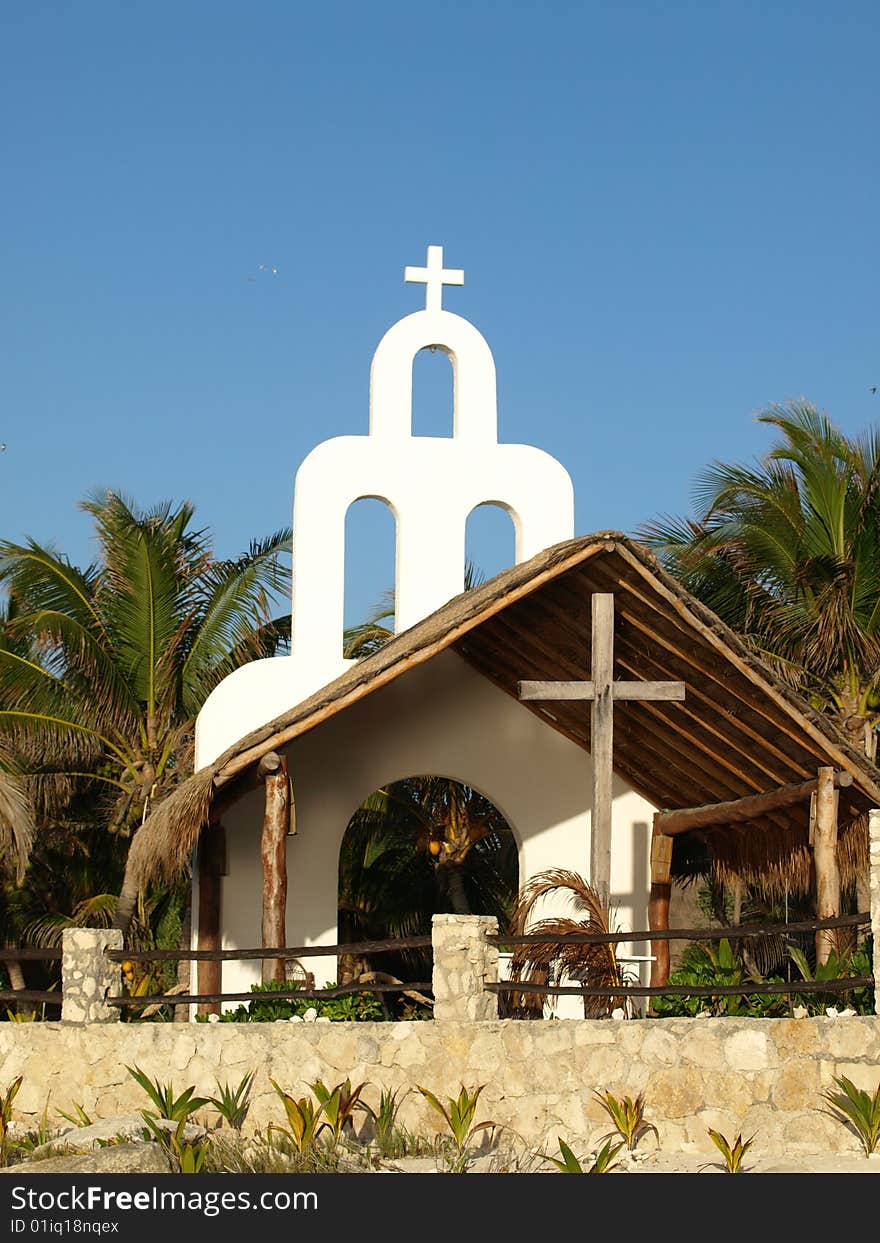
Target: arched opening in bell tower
(490, 540)
(432, 404)
(370, 589)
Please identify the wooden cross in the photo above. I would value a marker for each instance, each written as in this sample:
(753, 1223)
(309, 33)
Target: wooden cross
(602, 691)
(434, 276)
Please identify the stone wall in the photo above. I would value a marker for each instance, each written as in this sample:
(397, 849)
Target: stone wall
(749, 1075)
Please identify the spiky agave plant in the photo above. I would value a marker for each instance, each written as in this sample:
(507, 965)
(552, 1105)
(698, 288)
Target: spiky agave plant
(858, 1108)
(628, 1115)
(732, 1153)
(458, 1113)
(567, 1163)
(596, 965)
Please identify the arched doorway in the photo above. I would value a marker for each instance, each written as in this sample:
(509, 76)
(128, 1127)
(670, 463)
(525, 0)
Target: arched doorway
(421, 846)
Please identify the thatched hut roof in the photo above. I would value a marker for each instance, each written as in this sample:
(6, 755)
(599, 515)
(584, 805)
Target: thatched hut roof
(740, 730)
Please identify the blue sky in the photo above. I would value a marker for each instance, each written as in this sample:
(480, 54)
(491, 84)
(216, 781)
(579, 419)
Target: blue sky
(667, 216)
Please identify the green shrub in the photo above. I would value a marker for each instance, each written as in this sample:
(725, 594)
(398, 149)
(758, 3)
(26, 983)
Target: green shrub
(705, 965)
(719, 964)
(169, 1107)
(277, 1000)
(858, 961)
(233, 1104)
(390, 1139)
(6, 1099)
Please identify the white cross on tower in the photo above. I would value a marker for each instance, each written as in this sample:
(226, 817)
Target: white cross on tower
(434, 276)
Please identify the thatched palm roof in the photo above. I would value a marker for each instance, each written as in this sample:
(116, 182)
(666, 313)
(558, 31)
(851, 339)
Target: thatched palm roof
(740, 730)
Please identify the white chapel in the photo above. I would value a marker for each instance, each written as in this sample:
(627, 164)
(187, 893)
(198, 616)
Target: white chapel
(440, 712)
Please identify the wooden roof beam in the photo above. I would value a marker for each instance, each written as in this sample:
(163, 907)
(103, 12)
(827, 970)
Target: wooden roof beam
(741, 810)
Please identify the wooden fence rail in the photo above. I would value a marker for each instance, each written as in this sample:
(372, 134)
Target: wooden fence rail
(31, 994)
(30, 955)
(735, 932)
(732, 933)
(243, 955)
(686, 990)
(293, 994)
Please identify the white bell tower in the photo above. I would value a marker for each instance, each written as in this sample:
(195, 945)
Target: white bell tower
(431, 485)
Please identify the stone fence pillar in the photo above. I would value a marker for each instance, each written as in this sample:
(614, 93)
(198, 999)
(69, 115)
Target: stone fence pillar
(874, 847)
(463, 963)
(87, 977)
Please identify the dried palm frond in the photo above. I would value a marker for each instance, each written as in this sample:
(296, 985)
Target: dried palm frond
(165, 850)
(533, 963)
(779, 861)
(16, 825)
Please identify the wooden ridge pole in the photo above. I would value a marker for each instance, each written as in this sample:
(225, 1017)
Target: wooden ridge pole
(272, 771)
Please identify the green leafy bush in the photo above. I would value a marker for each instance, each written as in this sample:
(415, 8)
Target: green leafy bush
(858, 961)
(233, 1103)
(277, 999)
(305, 1122)
(719, 964)
(705, 965)
(168, 1106)
(339, 1104)
(390, 1139)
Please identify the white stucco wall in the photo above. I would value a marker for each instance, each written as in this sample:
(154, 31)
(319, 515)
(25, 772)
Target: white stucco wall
(441, 718)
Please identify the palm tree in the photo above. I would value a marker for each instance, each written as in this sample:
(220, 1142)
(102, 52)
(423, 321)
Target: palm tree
(787, 552)
(103, 670)
(422, 845)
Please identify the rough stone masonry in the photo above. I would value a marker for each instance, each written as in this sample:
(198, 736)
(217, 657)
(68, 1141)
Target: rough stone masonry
(751, 1075)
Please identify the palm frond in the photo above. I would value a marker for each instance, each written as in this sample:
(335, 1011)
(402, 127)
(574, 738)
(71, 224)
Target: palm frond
(534, 962)
(16, 825)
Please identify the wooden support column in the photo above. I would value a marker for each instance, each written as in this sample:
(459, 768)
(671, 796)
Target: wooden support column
(276, 826)
(825, 862)
(658, 903)
(601, 743)
(212, 867)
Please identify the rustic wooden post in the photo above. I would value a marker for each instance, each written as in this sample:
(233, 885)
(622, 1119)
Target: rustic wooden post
(602, 742)
(276, 825)
(658, 903)
(825, 862)
(212, 867)
(874, 865)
